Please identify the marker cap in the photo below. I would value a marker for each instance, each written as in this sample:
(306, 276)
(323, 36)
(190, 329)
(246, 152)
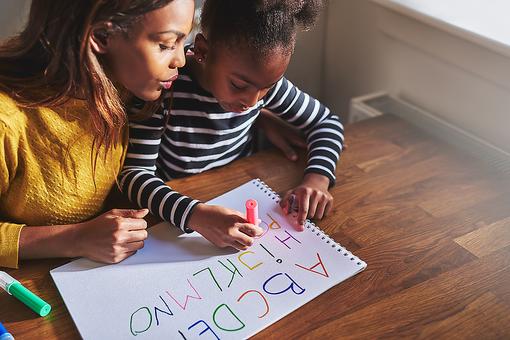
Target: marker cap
(4, 335)
(6, 280)
(252, 211)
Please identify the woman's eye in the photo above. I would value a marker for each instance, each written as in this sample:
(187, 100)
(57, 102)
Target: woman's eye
(163, 47)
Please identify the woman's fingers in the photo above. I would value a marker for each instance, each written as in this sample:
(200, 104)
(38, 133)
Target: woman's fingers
(133, 224)
(286, 147)
(133, 246)
(130, 213)
(136, 235)
(298, 140)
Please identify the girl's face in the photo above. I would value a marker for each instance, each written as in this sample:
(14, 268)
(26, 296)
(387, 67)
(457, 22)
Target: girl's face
(146, 60)
(239, 78)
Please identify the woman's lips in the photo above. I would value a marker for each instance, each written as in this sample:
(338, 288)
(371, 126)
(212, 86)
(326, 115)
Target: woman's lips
(166, 84)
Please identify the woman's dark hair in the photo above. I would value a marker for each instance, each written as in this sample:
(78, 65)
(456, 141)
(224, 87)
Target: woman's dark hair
(259, 24)
(51, 60)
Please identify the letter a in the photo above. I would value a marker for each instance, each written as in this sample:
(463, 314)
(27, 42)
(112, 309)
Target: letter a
(325, 272)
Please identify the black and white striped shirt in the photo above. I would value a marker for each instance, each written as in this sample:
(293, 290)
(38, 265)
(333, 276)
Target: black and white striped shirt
(198, 135)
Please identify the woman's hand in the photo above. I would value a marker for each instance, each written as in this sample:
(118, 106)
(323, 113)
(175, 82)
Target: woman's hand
(311, 198)
(109, 238)
(223, 227)
(281, 134)
(112, 236)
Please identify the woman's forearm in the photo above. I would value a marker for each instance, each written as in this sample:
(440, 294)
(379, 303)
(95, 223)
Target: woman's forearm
(48, 241)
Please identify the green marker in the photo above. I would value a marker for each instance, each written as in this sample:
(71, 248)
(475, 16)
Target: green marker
(13, 287)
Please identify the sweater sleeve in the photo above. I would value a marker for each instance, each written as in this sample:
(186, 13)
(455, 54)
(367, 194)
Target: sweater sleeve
(139, 182)
(9, 232)
(323, 130)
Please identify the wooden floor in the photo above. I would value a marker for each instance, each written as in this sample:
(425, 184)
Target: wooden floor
(432, 224)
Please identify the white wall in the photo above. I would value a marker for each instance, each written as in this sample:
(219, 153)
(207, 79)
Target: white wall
(12, 16)
(370, 48)
(359, 47)
(306, 66)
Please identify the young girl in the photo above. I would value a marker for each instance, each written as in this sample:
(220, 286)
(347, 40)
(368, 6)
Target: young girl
(61, 121)
(236, 70)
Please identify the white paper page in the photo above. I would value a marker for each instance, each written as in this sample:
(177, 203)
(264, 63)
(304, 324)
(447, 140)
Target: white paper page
(181, 286)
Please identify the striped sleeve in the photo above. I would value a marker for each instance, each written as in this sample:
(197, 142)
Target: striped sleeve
(139, 182)
(324, 131)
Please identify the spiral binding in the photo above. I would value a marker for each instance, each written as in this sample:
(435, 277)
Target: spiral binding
(309, 225)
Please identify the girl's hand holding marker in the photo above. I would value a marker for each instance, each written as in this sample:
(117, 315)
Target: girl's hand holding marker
(310, 199)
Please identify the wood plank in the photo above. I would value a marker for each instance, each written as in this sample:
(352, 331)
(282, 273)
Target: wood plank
(458, 194)
(488, 239)
(428, 306)
(459, 325)
(391, 270)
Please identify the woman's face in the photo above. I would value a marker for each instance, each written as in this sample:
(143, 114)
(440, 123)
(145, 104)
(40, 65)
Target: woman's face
(146, 60)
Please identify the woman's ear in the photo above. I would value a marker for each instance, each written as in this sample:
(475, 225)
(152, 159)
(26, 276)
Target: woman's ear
(200, 48)
(99, 37)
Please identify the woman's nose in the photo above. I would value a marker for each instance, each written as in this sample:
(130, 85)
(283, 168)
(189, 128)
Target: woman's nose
(179, 59)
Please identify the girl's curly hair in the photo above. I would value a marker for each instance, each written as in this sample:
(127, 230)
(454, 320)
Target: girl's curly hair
(261, 25)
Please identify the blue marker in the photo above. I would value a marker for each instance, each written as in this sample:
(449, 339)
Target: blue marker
(4, 335)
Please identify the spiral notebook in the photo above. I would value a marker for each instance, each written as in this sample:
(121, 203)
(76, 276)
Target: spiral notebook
(181, 286)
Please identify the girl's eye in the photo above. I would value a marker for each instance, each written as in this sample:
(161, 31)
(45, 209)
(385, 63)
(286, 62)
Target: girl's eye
(237, 87)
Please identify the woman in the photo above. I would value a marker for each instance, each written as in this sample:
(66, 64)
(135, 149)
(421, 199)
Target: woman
(63, 84)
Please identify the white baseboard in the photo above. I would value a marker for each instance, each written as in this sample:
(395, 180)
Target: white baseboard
(476, 146)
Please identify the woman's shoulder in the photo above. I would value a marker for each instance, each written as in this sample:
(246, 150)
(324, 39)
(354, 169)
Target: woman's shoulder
(12, 115)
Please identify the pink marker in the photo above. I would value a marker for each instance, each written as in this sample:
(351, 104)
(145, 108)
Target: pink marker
(252, 212)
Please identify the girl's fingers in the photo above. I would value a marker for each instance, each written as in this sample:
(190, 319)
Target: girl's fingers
(251, 230)
(321, 208)
(284, 203)
(239, 246)
(329, 207)
(314, 201)
(303, 200)
(242, 238)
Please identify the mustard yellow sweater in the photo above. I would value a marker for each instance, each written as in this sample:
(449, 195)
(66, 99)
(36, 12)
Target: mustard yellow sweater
(46, 173)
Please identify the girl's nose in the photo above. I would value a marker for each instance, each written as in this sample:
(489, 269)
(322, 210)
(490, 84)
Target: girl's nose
(251, 100)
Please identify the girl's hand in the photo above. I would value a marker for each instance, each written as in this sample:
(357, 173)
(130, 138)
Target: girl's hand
(312, 198)
(281, 134)
(112, 236)
(223, 227)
